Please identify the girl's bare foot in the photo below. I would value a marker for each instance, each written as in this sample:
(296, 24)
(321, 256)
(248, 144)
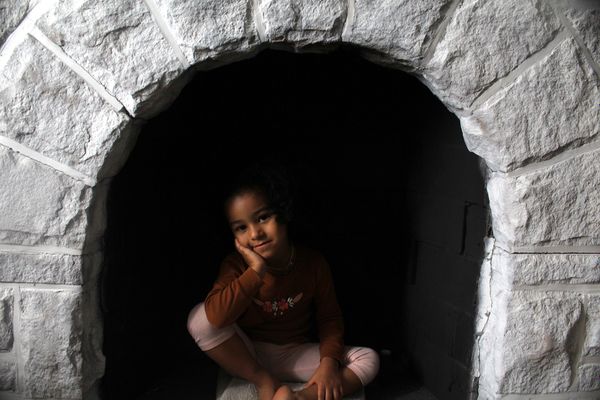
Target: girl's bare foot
(284, 393)
(266, 386)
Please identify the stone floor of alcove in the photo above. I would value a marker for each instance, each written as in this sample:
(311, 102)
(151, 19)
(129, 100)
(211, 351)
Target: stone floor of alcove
(186, 386)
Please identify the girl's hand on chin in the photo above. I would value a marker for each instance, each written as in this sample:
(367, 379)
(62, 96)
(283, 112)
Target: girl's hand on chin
(252, 258)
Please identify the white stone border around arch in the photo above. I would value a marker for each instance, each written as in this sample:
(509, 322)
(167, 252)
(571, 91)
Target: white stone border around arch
(80, 77)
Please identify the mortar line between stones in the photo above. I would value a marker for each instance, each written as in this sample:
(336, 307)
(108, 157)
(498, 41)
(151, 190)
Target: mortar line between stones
(441, 31)
(512, 76)
(78, 69)
(561, 287)
(554, 396)
(590, 360)
(39, 157)
(350, 12)
(586, 52)
(563, 156)
(589, 250)
(53, 287)
(24, 249)
(161, 22)
(260, 26)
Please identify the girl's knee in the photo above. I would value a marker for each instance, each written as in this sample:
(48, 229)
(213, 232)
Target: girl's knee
(196, 319)
(364, 362)
(203, 332)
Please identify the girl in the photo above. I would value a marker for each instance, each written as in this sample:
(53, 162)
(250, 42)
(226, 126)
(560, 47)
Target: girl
(256, 319)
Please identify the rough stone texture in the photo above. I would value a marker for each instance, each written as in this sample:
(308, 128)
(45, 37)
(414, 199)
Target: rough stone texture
(551, 106)
(587, 24)
(538, 269)
(40, 268)
(494, 290)
(65, 119)
(40, 205)
(12, 13)
(485, 41)
(589, 377)
(537, 352)
(591, 345)
(303, 22)
(51, 347)
(6, 319)
(8, 375)
(119, 44)
(382, 26)
(548, 207)
(219, 26)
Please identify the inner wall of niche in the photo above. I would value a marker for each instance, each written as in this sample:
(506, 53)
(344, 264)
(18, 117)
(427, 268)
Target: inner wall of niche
(387, 191)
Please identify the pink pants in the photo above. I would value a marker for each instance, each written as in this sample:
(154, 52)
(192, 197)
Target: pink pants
(287, 362)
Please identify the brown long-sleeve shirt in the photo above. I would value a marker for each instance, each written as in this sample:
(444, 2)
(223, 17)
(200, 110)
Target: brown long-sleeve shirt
(278, 308)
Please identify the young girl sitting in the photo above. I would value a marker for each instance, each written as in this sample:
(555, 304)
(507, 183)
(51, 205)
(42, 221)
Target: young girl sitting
(255, 321)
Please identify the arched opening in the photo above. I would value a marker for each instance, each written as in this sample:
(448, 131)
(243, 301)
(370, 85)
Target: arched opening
(389, 194)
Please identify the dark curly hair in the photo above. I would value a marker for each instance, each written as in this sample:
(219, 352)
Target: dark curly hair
(272, 180)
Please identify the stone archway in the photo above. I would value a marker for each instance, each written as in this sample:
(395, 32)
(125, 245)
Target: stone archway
(81, 77)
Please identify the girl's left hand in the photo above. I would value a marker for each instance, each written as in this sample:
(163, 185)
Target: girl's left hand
(328, 379)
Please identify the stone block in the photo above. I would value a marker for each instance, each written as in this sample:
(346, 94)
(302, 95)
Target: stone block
(66, 120)
(51, 346)
(548, 207)
(6, 319)
(588, 377)
(121, 46)
(302, 23)
(591, 344)
(382, 26)
(40, 268)
(551, 106)
(40, 206)
(586, 21)
(540, 269)
(219, 26)
(484, 41)
(537, 351)
(8, 375)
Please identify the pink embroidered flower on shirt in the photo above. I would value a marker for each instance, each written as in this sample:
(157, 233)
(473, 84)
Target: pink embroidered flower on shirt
(278, 306)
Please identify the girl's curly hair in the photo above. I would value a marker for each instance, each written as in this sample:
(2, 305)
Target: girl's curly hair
(270, 179)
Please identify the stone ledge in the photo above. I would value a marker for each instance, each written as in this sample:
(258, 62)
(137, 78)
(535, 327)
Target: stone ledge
(232, 388)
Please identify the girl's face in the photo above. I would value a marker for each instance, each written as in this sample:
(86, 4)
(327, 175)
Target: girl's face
(255, 226)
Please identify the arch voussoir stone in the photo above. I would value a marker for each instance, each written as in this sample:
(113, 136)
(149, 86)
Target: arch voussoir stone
(381, 26)
(483, 42)
(120, 45)
(551, 107)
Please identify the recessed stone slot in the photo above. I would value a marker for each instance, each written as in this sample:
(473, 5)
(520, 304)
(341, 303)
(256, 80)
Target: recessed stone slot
(387, 191)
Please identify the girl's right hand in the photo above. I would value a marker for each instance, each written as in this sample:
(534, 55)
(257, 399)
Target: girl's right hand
(252, 258)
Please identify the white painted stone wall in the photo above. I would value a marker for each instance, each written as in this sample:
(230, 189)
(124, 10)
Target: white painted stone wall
(80, 77)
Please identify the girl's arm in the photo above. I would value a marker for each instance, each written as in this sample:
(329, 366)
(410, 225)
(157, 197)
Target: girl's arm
(231, 293)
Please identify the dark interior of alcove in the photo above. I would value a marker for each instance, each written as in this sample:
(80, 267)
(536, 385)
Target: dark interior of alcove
(387, 191)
